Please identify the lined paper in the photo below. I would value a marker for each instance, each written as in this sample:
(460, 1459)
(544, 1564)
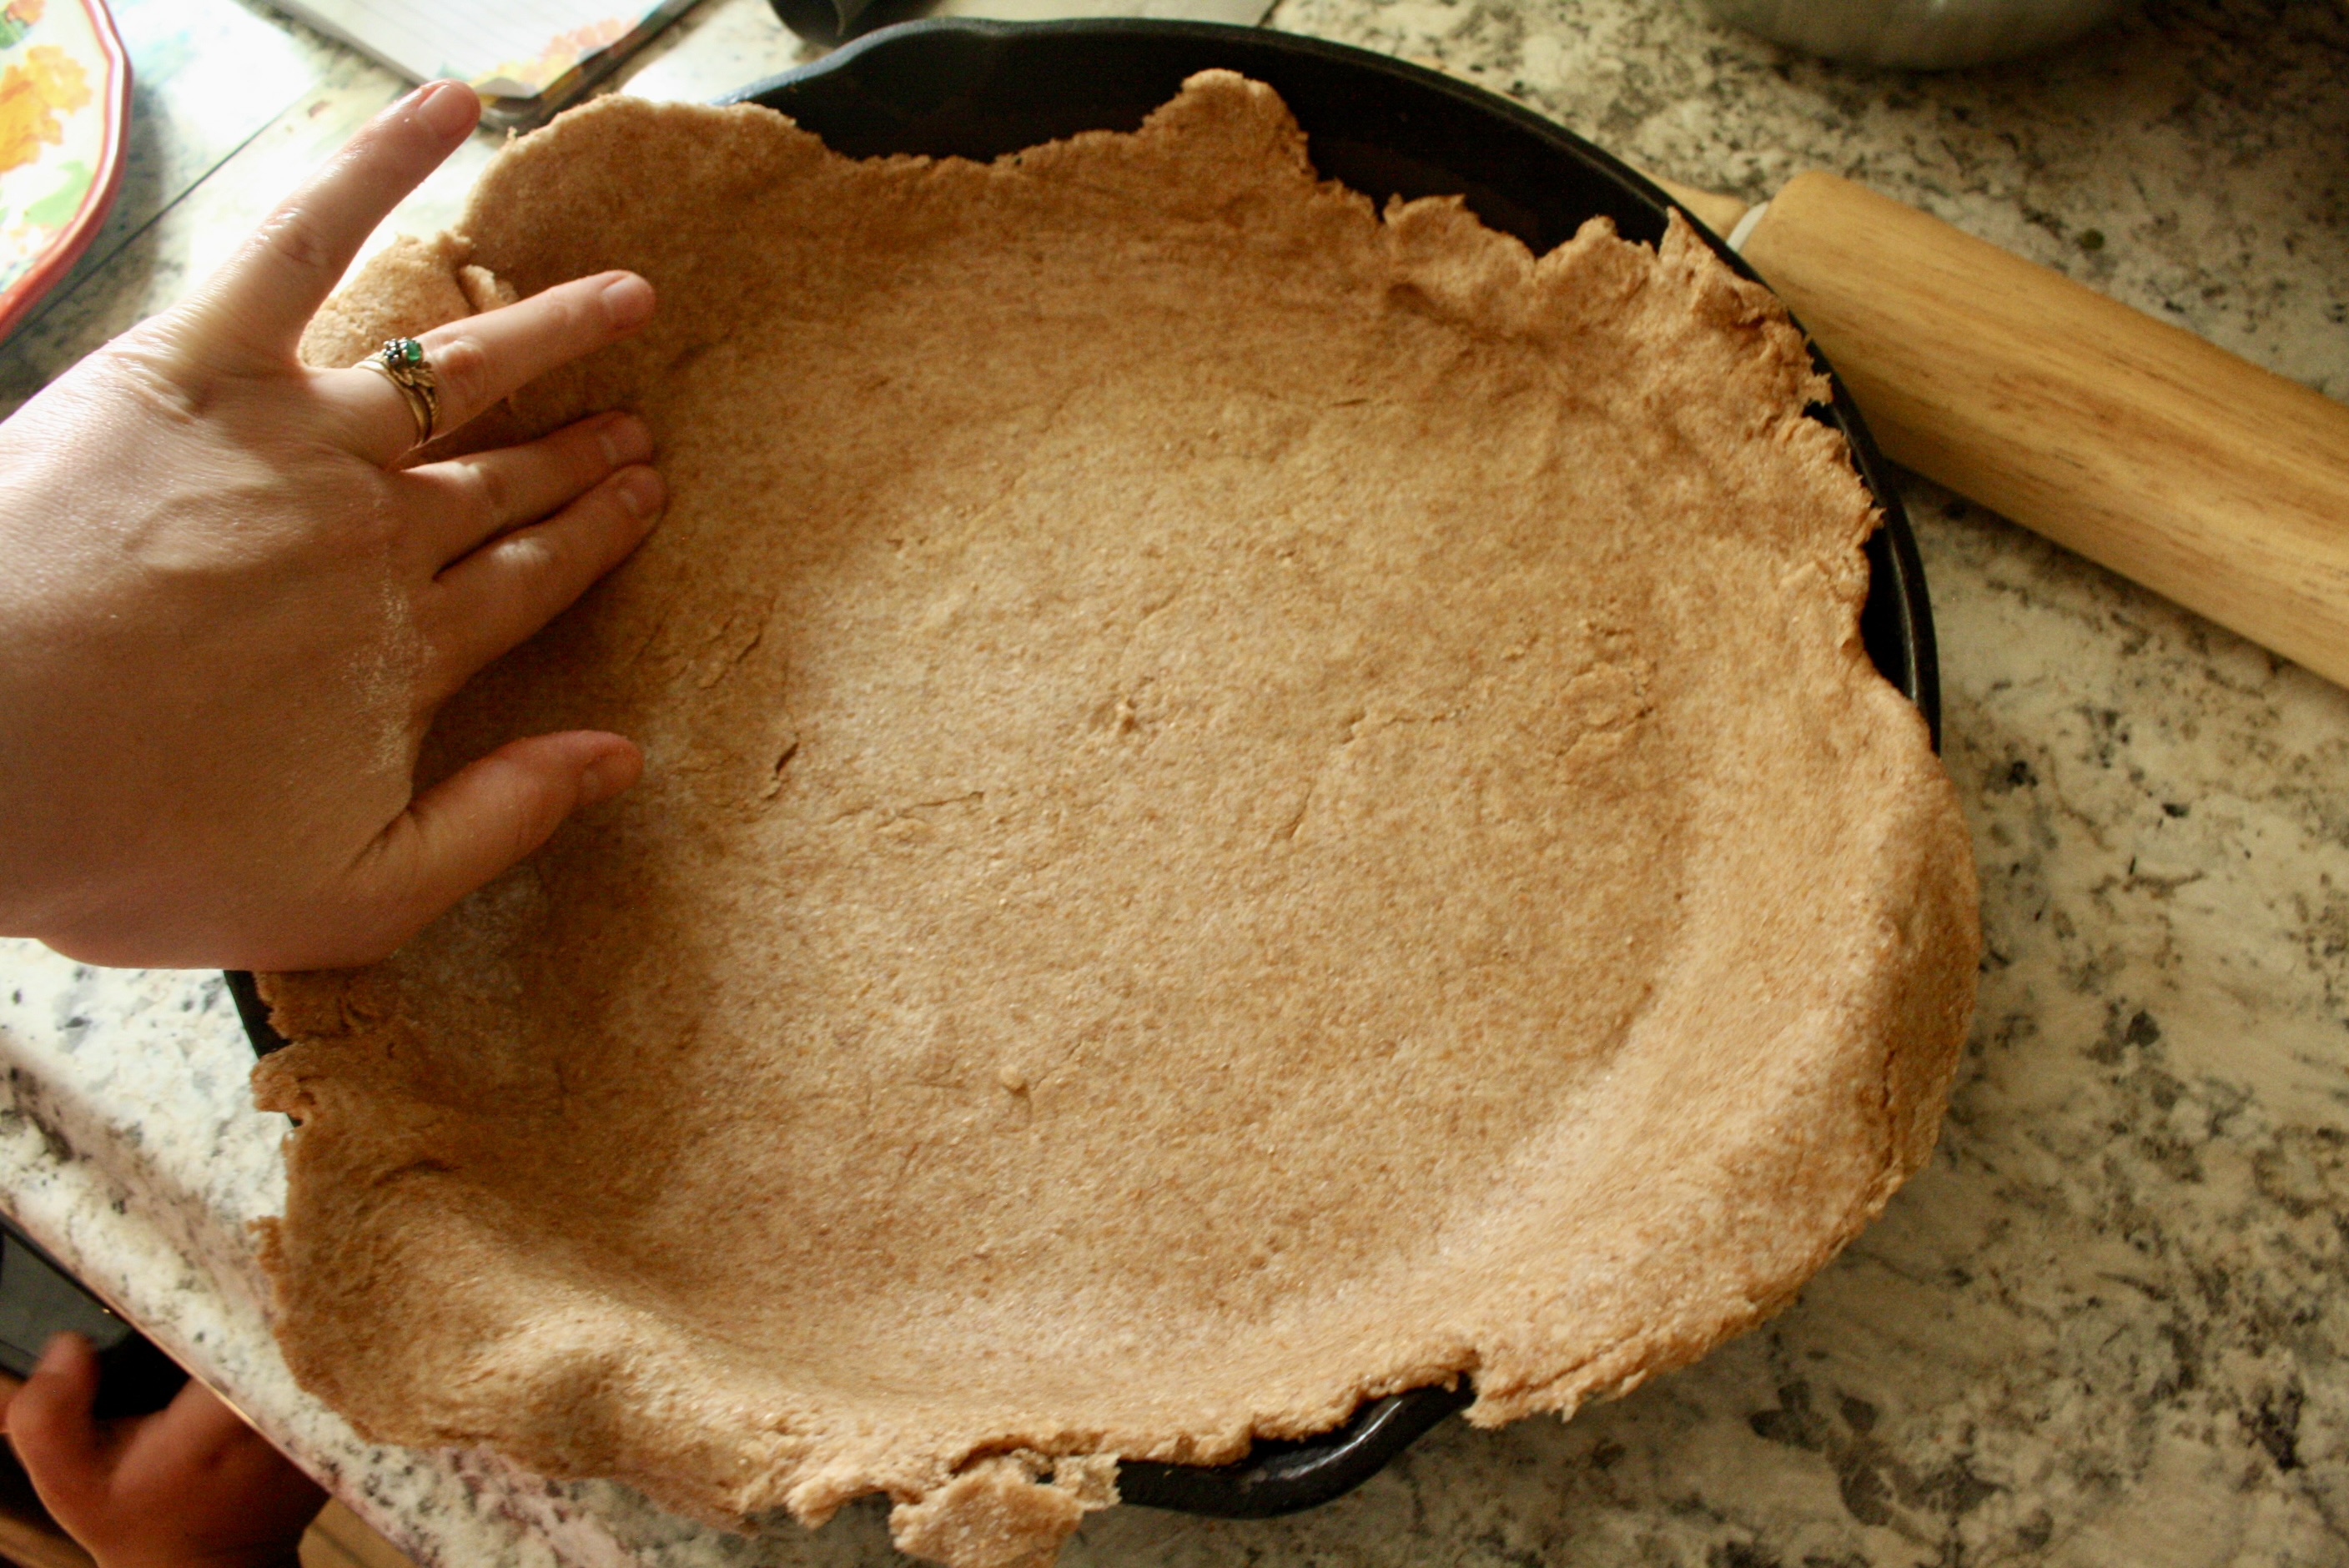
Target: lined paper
(514, 49)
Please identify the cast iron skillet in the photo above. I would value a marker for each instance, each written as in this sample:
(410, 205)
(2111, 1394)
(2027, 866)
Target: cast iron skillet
(979, 89)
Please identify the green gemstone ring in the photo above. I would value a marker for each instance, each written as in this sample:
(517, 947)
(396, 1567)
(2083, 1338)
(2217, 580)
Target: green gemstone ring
(401, 362)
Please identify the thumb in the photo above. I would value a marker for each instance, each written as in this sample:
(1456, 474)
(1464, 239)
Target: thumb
(56, 1436)
(470, 827)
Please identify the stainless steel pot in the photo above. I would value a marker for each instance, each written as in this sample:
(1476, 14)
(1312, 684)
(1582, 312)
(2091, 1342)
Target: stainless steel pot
(1926, 34)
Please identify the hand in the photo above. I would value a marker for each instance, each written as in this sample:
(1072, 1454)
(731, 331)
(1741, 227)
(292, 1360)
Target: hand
(189, 1487)
(230, 616)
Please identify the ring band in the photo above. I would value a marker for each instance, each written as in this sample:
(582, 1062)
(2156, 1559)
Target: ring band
(401, 362)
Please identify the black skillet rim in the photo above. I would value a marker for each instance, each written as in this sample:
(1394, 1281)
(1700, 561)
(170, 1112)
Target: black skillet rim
(948, 61)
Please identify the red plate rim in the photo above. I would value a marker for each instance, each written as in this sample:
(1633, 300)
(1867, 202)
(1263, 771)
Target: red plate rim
(29, 290)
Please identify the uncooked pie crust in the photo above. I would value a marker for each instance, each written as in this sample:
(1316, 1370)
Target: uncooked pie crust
(1251, 803)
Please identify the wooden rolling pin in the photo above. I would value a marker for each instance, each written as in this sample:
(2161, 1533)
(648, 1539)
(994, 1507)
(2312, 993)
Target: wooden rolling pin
(2211, 480)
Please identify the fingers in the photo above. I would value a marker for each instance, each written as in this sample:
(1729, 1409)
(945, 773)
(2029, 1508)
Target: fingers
(261, 1501)
(55, 1437)
(478, 360)
(251, 311)
(470, 827)
(509, 587)
(472, 498)
(195, 1424)
(191, 1484)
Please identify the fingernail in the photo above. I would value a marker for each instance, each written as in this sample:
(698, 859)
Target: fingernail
(624, 439)
(606, 777)
(627, 301)
(642, 492)
(448, 108)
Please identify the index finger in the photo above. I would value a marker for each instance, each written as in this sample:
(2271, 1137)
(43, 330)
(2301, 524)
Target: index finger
(54, 1432)
(255, 306)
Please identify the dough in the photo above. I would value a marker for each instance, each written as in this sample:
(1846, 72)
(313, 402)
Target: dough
(1251, 803)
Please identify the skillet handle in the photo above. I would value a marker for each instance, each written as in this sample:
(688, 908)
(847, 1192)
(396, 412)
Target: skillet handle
(2173, 462)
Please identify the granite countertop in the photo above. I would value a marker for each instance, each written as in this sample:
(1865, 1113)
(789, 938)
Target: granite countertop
(2108, 1325)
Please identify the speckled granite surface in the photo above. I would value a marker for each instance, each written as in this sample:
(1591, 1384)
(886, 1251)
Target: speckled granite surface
(2108, 1325)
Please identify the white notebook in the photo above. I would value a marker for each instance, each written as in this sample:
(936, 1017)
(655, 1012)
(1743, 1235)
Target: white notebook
(526, 57)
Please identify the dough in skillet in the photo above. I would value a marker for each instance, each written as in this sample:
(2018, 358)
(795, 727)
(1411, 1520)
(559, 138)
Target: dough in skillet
(1251, 803)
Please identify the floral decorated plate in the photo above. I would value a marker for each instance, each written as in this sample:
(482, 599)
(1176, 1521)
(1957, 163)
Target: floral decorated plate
(65, 101)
